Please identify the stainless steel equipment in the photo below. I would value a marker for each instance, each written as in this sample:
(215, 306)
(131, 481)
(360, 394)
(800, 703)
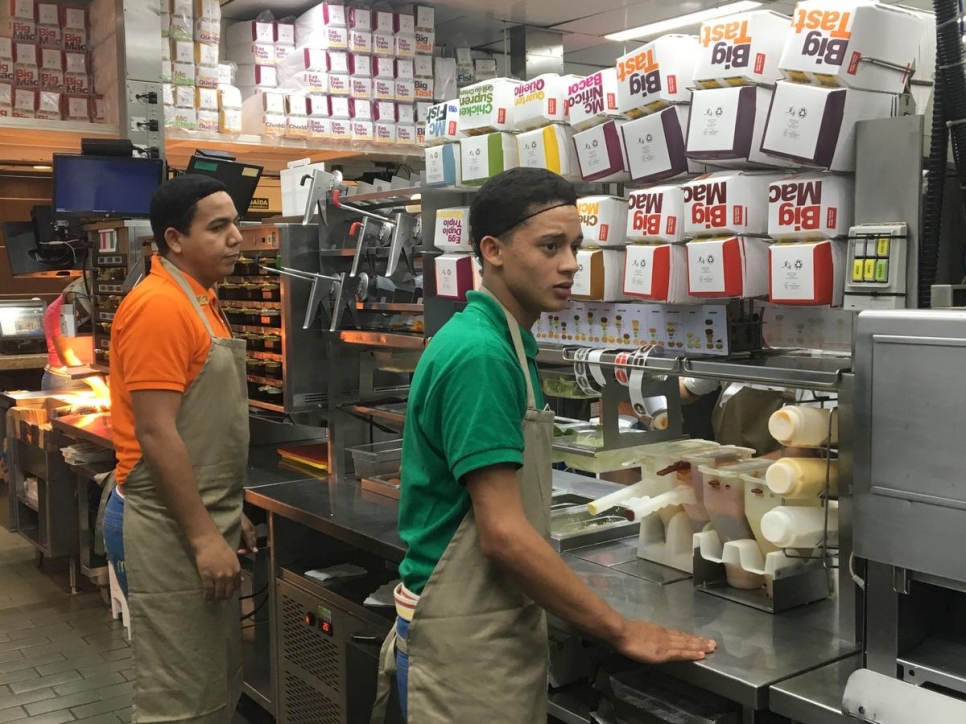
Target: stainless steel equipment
(286, 372)
(909, 501)
(316, 627)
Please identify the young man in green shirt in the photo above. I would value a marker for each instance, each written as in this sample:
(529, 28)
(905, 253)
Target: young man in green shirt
(474, 510)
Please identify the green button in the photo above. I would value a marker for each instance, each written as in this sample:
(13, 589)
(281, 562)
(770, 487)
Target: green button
(882, 270)
(868, 271)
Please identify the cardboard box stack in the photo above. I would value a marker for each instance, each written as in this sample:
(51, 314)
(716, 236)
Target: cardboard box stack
(336, 72)
(457, 269)
(45, 65)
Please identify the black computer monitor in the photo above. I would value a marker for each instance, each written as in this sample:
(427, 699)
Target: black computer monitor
(105, 187)
(240, 178)
(29, 259)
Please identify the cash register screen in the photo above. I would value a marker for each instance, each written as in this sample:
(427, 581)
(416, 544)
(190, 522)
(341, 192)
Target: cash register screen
(105, 186)
(25, 321)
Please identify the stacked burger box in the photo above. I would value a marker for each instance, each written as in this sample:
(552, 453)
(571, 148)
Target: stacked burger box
(45, 68)
(457, 270)
(486, 120)
(842, 62)
(190, 70)
(541, 119)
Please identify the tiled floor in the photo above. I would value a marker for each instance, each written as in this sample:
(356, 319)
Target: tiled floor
(62, 658)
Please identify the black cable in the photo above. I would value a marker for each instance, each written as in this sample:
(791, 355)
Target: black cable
(255, 610)
(257, 593)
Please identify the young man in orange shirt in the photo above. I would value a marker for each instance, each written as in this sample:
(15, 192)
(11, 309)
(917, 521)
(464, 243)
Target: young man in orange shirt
(180, 417)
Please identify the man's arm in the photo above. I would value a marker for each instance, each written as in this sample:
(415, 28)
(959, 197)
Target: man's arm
(155, 416)
(508, 539)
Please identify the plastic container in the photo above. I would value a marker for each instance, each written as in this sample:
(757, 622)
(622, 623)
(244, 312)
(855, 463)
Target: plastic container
(799, 526)
(723, 455)
(759, 500)
(802, 477)
(724, 497)
(797, 426)
(563, 384)
(380, 458)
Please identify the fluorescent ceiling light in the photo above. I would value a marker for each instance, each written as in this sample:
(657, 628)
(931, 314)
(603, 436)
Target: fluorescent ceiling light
(681, 21)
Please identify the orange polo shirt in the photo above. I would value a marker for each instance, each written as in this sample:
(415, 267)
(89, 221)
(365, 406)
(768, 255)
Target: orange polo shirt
(158, 342)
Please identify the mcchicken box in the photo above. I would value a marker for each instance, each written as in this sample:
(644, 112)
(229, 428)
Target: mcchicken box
(728, 202)
(656, 214)
(810, 206)
(852, 43)
(487, 107)
(656, 75)
(741, 49)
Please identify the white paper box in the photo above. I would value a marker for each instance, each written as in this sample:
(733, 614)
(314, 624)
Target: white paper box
(657, 272)
(361, 88)
(262, 124)
(405, 134)
(810, 206)
(360, 41)
(405, 69)
(425, 17)
(541, 101)
(600, 275)
(229, 97)
(383, 90)
(422, 67)
(51, 36)
(423, 89)
(360, 65)
(732, 267)
(453, 230)
(337, 61)
(656, 75)
(484, 156)
(443, 165)
(552, 148)
(384, 22)
(816, 126)
(808, 273)
(294, 193)
(295, 127)
(319, 128)
(48, 14)
(406, 114)
(340, 108)
(318, 105)
(741, 48)
(384, 68)
(456, 274)
(385, 111)
(303, 58)
(360, 19)
(405, 24)
(487, 107)
(852, 43)
(654, 146)
(425, 42)
(322, 15)
(603, 220)
(405, 46)
(6, 48)
(259, 76)
(339, 84)
(340, 129)
(442, 123)
(362, 131)
(360, 110)
(727, 126)
(444, 76)
(384, 132)
(656, 214)
(247, 33)
(253, 53)
(285, 34)
(600, 153)
(727, 202)
(421, 111)
(206, 99)
(383, 44)
(405, 91)
(308, 81)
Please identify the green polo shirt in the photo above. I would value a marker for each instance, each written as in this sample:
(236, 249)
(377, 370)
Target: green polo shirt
(466, 407)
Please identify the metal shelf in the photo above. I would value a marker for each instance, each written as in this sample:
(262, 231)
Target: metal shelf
(790, 368)
(380, 412)
(377, 198)
(391, 340)
(274, 153)
(390, 307)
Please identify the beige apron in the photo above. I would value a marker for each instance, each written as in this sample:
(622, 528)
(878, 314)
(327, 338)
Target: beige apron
(187, 652)
(743, 418)
(477, 644)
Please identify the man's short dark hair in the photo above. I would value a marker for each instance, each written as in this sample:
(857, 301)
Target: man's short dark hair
(174, 203)
(509, 198)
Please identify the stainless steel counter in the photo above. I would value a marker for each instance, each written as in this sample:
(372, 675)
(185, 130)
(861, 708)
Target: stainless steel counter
(755, 649)
(815, 697)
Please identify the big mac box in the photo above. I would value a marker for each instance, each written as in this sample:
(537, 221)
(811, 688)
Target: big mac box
(810, 206)
(727, 202)
(656, 214)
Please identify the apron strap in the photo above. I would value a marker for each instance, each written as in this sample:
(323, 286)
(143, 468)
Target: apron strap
(517, 338)
(387, 672)
(186, 288)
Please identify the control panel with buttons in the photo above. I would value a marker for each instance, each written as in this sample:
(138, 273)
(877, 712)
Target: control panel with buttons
(876, 267)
